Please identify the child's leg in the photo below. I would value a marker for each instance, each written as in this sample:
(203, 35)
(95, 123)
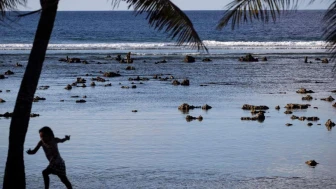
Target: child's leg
(46, 172)
(65, 180)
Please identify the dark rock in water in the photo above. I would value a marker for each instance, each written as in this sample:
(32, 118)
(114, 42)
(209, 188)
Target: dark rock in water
(252, 107)
(7, 91)
(329, 99)
(83, 85)
(329, 123)
(134, 86)
(325, 60)
(186, 107)
(253, 112)
(297, 106)
(9, 72)
(2, 76)
(8, 115)
(134, 110)
(288, 112)
(138, 78)
(108, 85)
(306, 60)
(189, 59)
(289, 124)
(313, 118)
(44, 87)
(93, 84)
(206, 60)
(176, 82)
(111, 74)
(34, 115)
(264, 58)
(206, 107)
(130, 68)
(190, 118)
(75, 96)
(294, 117)
(2, 100)
(80, 80)
(68, 87)
(308, 97)
(162, 61)
(18, 65)
(248, 58)
(302, 118)
(98, 79)
(118, 58)
(277, 107)
(311, 163)
(259, 117)
(185, 82)
(85, 62)
(80, 101)
(309, 124)
(334, 105)
(37, 98)
(304, 91)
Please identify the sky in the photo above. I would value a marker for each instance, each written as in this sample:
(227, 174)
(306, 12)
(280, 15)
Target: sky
(80, 5)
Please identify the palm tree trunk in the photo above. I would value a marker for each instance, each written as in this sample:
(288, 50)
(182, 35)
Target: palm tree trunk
(15, 171)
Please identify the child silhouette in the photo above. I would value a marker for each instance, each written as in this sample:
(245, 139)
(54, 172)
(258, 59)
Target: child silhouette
(56, 164)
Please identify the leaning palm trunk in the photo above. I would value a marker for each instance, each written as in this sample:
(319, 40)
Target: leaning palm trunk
(14, 172)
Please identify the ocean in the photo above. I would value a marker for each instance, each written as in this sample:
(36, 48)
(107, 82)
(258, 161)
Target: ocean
(112, 146)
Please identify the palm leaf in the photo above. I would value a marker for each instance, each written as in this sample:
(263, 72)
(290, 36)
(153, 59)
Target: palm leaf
(330, 29)
(240, 11)
(8, 5)
(163, 15)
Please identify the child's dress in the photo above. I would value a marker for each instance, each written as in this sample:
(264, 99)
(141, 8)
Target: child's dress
(56, 163)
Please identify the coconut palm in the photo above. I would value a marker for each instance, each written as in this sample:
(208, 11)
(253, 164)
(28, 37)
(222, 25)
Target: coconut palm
(162, 15)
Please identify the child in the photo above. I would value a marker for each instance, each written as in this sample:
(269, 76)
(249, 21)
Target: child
(56, 164)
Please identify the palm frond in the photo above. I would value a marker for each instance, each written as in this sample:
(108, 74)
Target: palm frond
(239, 11)
(9, 5)
(163, 15)
(330, 29)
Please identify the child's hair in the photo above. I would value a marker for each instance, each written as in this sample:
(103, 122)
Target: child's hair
(47, 130)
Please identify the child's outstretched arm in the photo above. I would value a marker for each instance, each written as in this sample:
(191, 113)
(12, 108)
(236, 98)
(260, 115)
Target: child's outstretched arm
(67, 137)
(31, 152)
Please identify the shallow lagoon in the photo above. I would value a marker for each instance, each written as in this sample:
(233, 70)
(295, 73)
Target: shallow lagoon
(113, 147)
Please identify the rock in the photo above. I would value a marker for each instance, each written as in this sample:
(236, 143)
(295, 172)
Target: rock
(162, 61)
(176, 82)
(186, 107)
(313, 118)
(6, 115)
(302, 118)
(329, 99)
(75, 96)
(34, 115)
(118, 58)
(2, 100)
(130, 68)
(294, 117)
(259, 117)
(44, 87)
(311, 163)
(80, 80)
(7, 91)
(288, 112)
(206, 107)
(308, 97)
(134, 87)
(185, 82)
(306, 60)
(9, 72)
(289, 124)
(83, 85)
(252, 107)
(248, 58)
(125, 87)
(206, 60)
(190, 118)
(84, 96)
(277, 107)
(100, 79)
(80, 101)
(37, 98)
(2, 76)
(134, 110)
(138, 78)
(111, 74)
(325, 60)
(18, 65)
(68, 87)
(297, 106)
(264, 58)
(304, 91)
(334, 105)
(189, 59)
(93, 84)
(256, 111)
(329, 123)
(108, 85)
(309, 124)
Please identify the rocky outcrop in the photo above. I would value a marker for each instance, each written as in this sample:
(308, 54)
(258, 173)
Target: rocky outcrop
(304, 91)
(297, 106)
(80, 101)
(190, 118)
(68, 87)
(37, 98)
(130, 68)
(248, 58)
(100, 79)
(8, 72)
(308, 97)
(176, 82)
(111, 74)
(325, 60)
(2, 100)
(259, 117)
(189, 59)
(2, 76)
(311, 163)
(252, 107)
(206, 60)
(138, 78)
(329, 99)
(185, 82)
(206, 107)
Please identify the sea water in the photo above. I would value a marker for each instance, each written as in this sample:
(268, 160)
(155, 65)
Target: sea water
(155, 147)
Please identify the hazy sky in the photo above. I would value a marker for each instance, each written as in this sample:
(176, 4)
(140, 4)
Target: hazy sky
(183, 4)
